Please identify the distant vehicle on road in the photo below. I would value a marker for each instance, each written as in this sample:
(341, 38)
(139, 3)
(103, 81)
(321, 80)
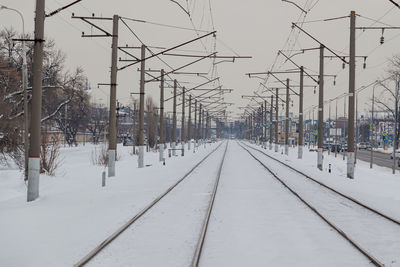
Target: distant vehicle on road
(396, 154)
(363, 146)
(128, 142)
(326, 146)
(336, 148)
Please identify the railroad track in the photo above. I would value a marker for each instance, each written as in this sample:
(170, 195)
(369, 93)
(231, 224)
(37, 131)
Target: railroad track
(200, 243)
(124, 227)
(328, 187)
(394, 224)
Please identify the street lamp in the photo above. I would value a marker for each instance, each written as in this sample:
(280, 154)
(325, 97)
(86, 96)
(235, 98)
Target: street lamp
(24, 88)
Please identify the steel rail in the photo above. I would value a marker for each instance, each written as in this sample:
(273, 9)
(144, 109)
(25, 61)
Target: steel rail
(199, 248)
(375, 261)
(120, 230)
(331, 189)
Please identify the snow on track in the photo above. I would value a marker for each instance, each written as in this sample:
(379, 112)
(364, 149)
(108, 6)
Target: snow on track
(379, 236)
(167, 234)
(257, 222)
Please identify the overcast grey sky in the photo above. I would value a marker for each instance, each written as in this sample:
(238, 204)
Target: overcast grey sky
(254, 27)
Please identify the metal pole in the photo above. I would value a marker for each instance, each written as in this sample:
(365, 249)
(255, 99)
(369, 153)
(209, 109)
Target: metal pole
(141, 108)
(276, 119)
(372, 130)
(271, 123)
(189, 135)
(352, 84)
(162, 141)
(34, 147)
(301, 104)
(174, 120)
(321, 109)
(287, 118)
(195, 125)
(183, 137)
(396, 119)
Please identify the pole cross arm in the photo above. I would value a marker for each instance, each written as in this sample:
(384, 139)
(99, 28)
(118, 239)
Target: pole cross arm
(86, 19)
(272, 73)
(315, 39)
(299, 67)
(182, 67)
(194, 88)
(169, 49)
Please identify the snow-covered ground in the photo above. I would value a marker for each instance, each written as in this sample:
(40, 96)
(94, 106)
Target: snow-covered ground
(377, 187)
(370, 231)
(255, 221)
(74, 213)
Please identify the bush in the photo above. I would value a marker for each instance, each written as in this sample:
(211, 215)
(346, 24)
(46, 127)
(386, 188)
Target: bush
(49, 155)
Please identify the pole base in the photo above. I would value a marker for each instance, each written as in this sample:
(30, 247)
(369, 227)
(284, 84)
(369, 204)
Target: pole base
(173, 146)
(33, 178)
(320, 159)
(141, 157)
(300, 152)
(111, 163)
(350, 165)
(161, 152)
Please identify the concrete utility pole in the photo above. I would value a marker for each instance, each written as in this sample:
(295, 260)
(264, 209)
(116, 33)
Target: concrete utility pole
(271, 123)
(141, 108)
(195, 131)
(199, 128)
(336, 131)
(352, 85)
(287, 118)
(112, 142)
(162, 139)
(276, 119)
(189, 134)
(202, 126)
(35, 140)
(321, 109)
(301, 104)
(265, 124)
(208, 125)
(174, 120)
(183, 137)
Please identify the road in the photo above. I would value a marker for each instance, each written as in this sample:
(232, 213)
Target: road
(380, 159)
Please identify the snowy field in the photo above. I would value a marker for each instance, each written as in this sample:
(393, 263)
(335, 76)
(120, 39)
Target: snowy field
(255, 220)
(74, 213)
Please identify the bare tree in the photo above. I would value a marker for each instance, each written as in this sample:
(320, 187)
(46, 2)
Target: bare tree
(98, 118)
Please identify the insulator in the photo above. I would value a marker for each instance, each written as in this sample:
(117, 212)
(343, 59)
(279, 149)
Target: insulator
(315, 90)
(343, 65)
(382, 40)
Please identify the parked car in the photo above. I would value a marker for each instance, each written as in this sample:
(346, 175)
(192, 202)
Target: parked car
(336, 148)
(396, 153)
(326, 146)
(127, 142)
(363, 146)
